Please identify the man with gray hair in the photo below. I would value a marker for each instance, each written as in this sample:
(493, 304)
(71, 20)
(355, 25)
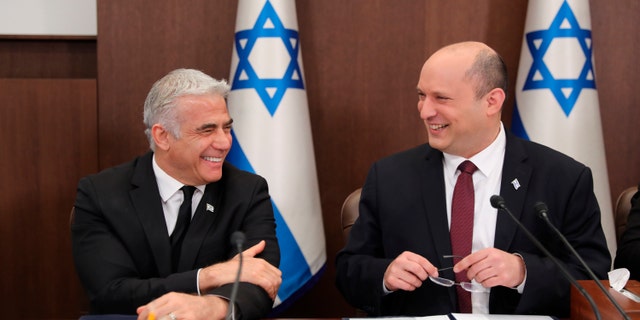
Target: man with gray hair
(151, 236)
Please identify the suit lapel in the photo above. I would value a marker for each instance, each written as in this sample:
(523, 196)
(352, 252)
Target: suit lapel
(148, 206)
(435, 206)
(433, 195)
(203, 220)
(516, 175)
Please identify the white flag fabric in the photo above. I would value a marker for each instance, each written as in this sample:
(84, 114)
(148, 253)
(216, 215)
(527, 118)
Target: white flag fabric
(272, 135)
(556, 96)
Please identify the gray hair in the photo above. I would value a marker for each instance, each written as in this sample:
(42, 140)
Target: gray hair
(160, 105)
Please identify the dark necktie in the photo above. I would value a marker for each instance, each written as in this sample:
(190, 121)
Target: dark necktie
(182, 224)
(462, 226)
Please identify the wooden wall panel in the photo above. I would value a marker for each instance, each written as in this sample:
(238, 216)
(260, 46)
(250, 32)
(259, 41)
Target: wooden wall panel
(615, 30)
(32, 57)
(47, 133)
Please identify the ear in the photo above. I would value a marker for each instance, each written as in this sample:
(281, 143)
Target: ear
(495, 98)
(160, 136)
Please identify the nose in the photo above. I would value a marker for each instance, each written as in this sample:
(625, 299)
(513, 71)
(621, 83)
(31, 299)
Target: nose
(425, 109)
(222, 140)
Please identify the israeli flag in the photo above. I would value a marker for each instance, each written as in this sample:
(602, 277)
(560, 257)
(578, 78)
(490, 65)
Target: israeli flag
(272, 135)
(556, 96)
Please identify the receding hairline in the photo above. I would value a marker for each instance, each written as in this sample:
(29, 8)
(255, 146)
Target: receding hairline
(478, 46)
(484, 66)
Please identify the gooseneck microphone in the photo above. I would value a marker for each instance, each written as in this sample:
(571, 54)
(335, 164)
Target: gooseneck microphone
(237, 240)
(542, 211)
(499, 203)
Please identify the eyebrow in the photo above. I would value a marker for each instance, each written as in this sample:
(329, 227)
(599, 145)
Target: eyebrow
(208, 126)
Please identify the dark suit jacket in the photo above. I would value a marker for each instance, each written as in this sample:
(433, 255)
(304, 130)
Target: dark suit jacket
(403, 208)
(121, 245)
(628, 255)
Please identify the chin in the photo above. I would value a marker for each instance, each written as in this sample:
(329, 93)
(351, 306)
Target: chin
(435, 143)
(214, 178)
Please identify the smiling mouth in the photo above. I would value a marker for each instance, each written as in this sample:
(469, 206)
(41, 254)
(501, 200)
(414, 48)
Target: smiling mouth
(212, 159)
(437, 126)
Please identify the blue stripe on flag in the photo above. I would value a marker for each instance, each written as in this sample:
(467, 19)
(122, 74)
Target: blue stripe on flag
(237, 156)
(294, 267)
(517, 127)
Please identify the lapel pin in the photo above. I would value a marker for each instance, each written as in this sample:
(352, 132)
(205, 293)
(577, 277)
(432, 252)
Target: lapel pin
(210, 207)
(516, 184)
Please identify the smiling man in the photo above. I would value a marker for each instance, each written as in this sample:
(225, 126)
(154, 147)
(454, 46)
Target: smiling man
(425, 212)
(151, 236)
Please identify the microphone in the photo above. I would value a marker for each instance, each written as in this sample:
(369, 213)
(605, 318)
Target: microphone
(542, 211)
(237, 240)
(499, 203)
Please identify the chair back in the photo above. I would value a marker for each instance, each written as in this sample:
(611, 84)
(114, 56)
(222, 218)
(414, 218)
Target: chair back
(621, 212)
(349, 212)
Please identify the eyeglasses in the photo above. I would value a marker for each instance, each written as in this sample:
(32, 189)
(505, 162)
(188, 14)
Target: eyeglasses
(468, 286)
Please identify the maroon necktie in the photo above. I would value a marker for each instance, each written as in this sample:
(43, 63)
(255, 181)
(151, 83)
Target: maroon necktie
(462, 226)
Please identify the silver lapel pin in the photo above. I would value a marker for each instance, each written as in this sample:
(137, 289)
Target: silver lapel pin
(516, 184)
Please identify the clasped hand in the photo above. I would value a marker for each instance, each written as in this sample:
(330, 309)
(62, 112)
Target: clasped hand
(188, 306)
(254, 270)
(490, 267)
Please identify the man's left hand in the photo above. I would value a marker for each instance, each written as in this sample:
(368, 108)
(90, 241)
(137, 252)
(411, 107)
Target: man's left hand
(493, 267)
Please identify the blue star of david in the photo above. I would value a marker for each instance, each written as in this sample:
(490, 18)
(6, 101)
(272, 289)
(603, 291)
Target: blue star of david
(245, 76)
(585, 80)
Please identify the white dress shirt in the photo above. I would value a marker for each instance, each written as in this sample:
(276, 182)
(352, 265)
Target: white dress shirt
(486, 182)
(172, 196)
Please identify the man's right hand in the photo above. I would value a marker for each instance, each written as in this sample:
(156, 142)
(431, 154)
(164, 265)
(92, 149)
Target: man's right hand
(254, 270)
(407, 272)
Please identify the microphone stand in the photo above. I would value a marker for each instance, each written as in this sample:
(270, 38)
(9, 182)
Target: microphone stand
(237, 239)
(499, 203)
(542, 210)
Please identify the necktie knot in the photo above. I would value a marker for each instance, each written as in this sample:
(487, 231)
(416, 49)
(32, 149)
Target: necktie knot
(467, 167)
(188, 192)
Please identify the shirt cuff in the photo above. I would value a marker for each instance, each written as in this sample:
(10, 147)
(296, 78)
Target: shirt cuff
(520, 287)
(385, 290)
(198, 281)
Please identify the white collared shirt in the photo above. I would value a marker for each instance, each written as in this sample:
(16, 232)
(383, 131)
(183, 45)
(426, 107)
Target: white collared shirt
(172, 196)
(486, 182)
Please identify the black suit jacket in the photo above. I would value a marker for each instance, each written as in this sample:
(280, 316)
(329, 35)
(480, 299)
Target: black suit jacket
(628, 255)
(121, 245)
(403, 208)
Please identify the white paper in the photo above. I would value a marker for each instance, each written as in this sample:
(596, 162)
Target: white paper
(618, 278)
(471, 316)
